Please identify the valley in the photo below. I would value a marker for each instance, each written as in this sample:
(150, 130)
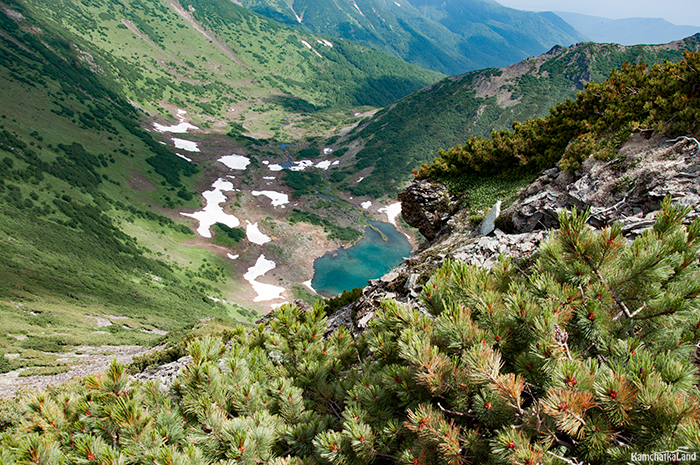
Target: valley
(173, 161)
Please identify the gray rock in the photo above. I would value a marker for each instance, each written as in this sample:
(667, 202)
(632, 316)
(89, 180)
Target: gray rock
(488, 224)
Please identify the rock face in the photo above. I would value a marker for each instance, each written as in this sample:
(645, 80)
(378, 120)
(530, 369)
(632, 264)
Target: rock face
(427, 207)
(629, 188)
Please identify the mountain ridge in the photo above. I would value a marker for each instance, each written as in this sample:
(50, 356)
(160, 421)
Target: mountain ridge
(442, 36)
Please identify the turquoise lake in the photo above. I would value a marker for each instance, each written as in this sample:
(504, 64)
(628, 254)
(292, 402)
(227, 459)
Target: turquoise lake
(370, 258)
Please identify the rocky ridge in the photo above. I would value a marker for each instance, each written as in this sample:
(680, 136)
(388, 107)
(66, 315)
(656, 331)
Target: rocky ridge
(628, 189)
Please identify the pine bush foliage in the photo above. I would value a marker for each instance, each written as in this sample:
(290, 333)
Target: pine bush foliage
(664, 98)
(585, 357)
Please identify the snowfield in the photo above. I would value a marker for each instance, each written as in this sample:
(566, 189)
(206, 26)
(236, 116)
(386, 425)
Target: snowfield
(213, 212)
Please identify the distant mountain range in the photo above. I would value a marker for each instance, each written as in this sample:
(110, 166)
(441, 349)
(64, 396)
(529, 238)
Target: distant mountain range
(400, 137)
(627, 31)
(448, 36)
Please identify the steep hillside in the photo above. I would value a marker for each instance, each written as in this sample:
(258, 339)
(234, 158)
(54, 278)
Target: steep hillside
(94, 246)
(411, 131)
(450, 37)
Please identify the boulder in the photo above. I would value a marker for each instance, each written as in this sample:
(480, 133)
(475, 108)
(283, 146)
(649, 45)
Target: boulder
(427, 207)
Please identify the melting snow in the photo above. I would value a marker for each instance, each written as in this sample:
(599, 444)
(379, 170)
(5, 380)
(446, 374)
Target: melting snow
(179, 128)
(358, 181)
(275, 167)
(235, 162)
(265, 291)
(358, 8)
(327, 150)
(337, 162)
(310, 47)
(185, 145)
(366, 204)
(324, 165)
(182, 156)
(277, 197)
(392, 211)
(232, 257)
(308, 284)
(213, 212)
(269, 178)
(397, 4)
(301, 165)
(324, 42)
(254, 234)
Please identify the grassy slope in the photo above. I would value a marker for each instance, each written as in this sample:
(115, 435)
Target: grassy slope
(77, 170)
(443, 115)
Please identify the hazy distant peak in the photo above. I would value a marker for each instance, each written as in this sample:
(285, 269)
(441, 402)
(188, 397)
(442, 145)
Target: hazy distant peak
(626, 31)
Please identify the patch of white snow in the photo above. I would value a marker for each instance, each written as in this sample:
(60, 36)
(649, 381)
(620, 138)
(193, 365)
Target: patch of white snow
(213, 212)
(324, 165)
(366, 204)
(308, 284)
(254, 234)
(184, 157)
(392, 211)
(265, 291)
(277, 198)
(235, 162)
(186, 145)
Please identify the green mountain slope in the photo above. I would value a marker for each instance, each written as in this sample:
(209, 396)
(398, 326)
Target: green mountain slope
(90, 200)
(410, 132)
(450, 37)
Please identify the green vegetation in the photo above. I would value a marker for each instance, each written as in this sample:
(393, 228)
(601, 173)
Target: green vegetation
(334, 231)
(402, 136)
(223, 235)
(435, 35)
(586, 355)
(662, 98)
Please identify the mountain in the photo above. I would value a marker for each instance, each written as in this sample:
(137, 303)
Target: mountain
(450, 37)
(93, 246)
(627, 31)
(398, 138)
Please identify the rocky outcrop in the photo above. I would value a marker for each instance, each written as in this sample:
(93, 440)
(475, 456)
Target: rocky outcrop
(164, 375)
(427, 207)
(628, 189)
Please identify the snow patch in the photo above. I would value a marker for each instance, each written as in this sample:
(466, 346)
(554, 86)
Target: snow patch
(324, 42)
(366, 204)
(301, 165)
(337, 162)
(358, 8)
(179, 128)
(235, 162)
(392, 211)
(213, 212)
(254, 234)
(277, 198)
(269, 178)
(186, 145)
(265, 291)
(183, 157)
(311, 48)
(327, 150)
(232, 257)
(358, 181)
(308, 284)
(324, 165)
(397, 4)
